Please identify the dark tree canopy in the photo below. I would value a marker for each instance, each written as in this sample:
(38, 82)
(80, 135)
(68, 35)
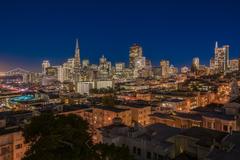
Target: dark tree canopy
(108, 101)
(112, 152)
(59, 137)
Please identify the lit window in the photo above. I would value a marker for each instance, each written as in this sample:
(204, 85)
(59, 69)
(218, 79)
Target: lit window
(18, 146)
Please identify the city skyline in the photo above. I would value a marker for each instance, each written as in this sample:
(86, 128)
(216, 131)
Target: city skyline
(126, 61)
(32, 32)
(119, 80)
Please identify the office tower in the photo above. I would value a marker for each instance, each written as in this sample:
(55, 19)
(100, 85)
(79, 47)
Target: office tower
(66, 72)
(164, 64)
(135, 53)
(60, 73)
(102, 60)
(148, 68)
(119, 67)
(77, 62)
(139, 65)
(85, 63)
(68, 69)
(45, 65)
(173, 70)
(221, 58)
(70, 63)
(84, 87)
(55, 72)
(109, 64)
(212, 63)
(104, 65)
(156, 72)
(104, 68)
(184, 70)
(233, 65)
(195, 64)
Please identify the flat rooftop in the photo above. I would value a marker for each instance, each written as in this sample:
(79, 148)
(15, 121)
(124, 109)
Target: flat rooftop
(74, 107)
(112, 109)
(162, 115)
(193, 116)
(174, 100)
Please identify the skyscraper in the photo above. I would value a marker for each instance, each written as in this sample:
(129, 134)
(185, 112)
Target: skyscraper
(119, 67)
(135, 53)
(77, 62)
(212, 63)
(164, 64)
(85, 63)
(221, 58)
(195, 64)
(233, 65)
(45, 65)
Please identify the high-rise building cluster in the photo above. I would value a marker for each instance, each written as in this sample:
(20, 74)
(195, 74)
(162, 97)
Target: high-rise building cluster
(158, 112)
(139, 67)
(220, 62)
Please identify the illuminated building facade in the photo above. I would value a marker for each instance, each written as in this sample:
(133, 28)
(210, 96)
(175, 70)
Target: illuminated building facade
(119, 67)
(12, 144)
(221, 58)
(104, 115)
(77, 61)
(84, 87)
(135, 52)
(45, 65)
(195, 64)
(234, 65)
(184, 70)
(85, 63)
(165, 65)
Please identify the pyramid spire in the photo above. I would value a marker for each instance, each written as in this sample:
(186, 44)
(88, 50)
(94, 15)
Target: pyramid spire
(77, 50)
(77, 44)
(77, 56)
(216, 44)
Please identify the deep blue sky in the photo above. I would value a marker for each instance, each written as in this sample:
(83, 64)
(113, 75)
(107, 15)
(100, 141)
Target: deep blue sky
(178, 30)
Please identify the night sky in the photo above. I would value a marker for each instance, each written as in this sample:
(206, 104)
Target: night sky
(177, 30)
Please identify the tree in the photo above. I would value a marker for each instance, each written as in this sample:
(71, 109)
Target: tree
(112, 152)
(108, 101)
(60, 137)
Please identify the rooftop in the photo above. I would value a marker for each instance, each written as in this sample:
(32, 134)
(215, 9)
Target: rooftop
(214, 111)
(206, 137)
(176, 100)
(110, 108)
(13, 129)
(162, 115)
(193, 116)
(158, 134)
(74, 107)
